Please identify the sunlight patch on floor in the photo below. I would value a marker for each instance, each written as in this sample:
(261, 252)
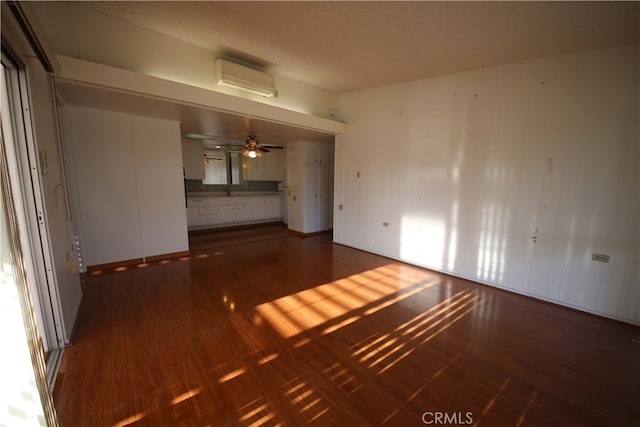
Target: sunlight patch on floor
(231, 375)
(385, 351)
(256, 413)
(268, 358)
(130, 420)
(186, 396)
(305, 398)
(495, 397)
(530, 403)
(310, 308)
(344, 379)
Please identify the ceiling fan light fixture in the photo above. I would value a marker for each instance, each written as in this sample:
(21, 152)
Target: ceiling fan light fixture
(252, 147)
(251, 152)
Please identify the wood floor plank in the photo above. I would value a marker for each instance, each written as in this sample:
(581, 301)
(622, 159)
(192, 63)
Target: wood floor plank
(270, 329)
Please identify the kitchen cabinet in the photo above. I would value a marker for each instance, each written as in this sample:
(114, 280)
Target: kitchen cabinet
(268, 207)
(211, 212)
(193, 159)
(202, 211)
(238, 211)
(129, 186)
(269, 167)
(193, 216)
(310, 186)
(234, 209)
(208, 215)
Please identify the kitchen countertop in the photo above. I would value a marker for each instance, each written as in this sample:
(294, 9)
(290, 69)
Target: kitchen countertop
(233, 193)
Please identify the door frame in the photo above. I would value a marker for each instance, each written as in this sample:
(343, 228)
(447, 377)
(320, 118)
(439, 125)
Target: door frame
(20, 150)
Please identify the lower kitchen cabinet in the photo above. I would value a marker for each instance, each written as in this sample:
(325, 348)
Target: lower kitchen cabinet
(211, 212)
(193, 217)
(268, 207)
(208, 215)
(240, 211)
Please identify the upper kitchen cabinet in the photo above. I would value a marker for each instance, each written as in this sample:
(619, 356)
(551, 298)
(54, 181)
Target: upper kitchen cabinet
(310, 186)
(269, 167)
(129, 185)
(193, 159)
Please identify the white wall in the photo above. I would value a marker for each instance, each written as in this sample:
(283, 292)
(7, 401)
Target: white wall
(465, 168)
(123, 45)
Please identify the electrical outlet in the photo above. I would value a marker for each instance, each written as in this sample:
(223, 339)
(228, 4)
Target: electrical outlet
(340, 207)
(600, 257)
(385, 224)
(358, 174)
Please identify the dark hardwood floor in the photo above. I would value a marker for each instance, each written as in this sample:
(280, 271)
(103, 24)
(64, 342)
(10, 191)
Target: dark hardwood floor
(291, 331)
(205, 240)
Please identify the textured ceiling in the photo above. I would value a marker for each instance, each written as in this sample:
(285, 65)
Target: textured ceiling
(344, 46)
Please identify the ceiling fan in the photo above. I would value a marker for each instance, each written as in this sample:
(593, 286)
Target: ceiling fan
(251, 148)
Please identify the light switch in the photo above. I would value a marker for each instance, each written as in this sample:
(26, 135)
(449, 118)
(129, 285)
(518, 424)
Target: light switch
(44, 163)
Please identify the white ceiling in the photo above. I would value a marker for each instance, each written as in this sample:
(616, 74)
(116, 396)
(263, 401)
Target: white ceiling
(344, 46)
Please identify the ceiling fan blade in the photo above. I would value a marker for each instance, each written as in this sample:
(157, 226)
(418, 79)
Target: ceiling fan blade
(274, 147)
(225, 147)
(264, 150)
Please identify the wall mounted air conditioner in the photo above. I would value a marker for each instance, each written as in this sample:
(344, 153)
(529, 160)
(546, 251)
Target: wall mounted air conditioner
(240, 77)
